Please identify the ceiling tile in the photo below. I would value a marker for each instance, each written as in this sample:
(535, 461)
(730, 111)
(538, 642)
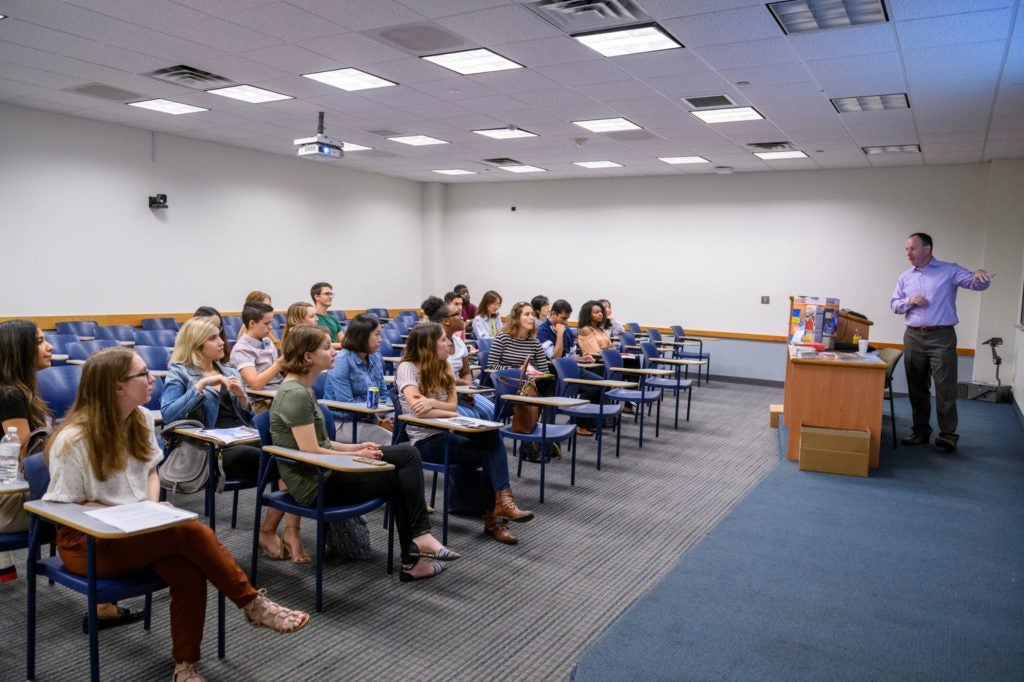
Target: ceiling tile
(958, 29)
(353, 49)
(286, 22)
(360, 15)
(845, 42)
(751, 53)
(584, 73)
(507, 24)
(547, 51)
(904, 10)
(775, 74)
(727, 26)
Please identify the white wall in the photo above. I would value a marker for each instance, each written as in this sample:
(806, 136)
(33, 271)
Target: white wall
(77, 235)
(701, 250)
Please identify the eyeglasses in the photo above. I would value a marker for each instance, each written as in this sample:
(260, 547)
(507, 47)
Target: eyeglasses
(326, 293)
(455, 314)
(143, 373)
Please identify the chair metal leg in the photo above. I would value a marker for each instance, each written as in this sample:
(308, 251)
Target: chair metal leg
(572, 475)
(234, 510)
(433, 491)
(91, 602)
(30, 626)
(147, 616)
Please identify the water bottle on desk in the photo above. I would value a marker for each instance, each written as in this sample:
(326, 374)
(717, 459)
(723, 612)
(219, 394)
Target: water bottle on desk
(10, 450)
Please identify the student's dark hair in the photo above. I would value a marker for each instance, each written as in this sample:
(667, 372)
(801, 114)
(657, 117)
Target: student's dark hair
(459, 288)
(431, 306)
(925, 238)
(451, 296)
(605, 305)
(357, 334)
(489, 298)
(18, 354)
(586, 309)
(562, 307)
(314, 290)
(538, 302)
(254, 312)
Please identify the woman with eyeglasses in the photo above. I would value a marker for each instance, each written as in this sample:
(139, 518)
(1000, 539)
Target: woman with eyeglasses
(450, 319)
(199, 386)
(297, 422)
(105, 453)
(426, 388)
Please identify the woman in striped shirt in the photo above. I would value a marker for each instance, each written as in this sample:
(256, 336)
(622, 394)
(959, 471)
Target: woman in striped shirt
(518, 342)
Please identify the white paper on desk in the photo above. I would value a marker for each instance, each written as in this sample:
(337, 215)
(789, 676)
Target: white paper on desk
(469, 422)
(138, 516)
(229, 436)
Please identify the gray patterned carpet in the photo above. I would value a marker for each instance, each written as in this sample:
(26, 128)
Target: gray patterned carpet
(513, 613)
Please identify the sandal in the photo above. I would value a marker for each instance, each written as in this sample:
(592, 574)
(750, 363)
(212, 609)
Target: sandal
(443, 554)
(124, 617)
(407, 577)
(267, 551)
(263, 613)
(294, 548)
(187, 672)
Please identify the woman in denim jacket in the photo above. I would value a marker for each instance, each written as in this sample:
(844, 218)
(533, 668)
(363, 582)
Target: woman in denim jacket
(358, 367)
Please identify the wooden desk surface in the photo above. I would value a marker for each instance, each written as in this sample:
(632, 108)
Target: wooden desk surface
(472, 390)
(338, 462)
(359, 407)
(262, 392)
(545, 401)
(13, 487)
(59, 357)
(436, 423)
(74, 516)
(678, 361)
(646, 371)
(607, 383)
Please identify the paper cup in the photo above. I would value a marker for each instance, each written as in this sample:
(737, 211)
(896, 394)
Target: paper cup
(862, 345)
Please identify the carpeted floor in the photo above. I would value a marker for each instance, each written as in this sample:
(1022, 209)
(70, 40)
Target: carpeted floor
(916, 573)
(521, 613)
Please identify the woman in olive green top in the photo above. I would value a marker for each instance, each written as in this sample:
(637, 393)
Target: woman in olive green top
(297, 422)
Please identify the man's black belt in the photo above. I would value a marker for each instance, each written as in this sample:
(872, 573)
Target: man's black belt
(925, 330)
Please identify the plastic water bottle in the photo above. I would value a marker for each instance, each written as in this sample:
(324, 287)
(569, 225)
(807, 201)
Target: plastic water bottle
(10, 450)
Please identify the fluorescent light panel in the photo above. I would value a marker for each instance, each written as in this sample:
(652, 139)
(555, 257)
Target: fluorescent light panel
(775, 156)
(607, 125)
(249, 93)
(350, 79)
(505, 133)
(892, 149)
(730, 115)
(628, 41)
(353, 147)
(417, 140)
(597, 164)
(803, 16)
(845, 105)
(454, 171)
(166, 106)
(677, 160)
(469, 62)
(523, 169)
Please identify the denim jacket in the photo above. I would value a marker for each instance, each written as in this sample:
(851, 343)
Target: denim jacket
(180, 397)
(350, 379)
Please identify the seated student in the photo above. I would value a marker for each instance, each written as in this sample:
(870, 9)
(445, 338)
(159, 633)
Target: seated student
(323, 298)
(105, 453)
(426, 388)
(254, 354)
(296, 422)
(450, 319)
(557, 340)
(593, 336)
(541, 307)
(518, 342)
(468, 309)
(207, 311)
(454, 300)
(487, 323)
(611, 325)
(298, 313)
(258, 297)
(357, 368)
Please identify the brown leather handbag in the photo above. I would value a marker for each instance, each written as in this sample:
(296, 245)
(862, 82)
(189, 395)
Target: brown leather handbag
(525, 417)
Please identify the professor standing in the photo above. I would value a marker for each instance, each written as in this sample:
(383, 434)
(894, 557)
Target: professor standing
(926, 296)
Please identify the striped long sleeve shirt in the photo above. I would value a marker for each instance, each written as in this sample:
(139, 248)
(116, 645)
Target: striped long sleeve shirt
(509, 353)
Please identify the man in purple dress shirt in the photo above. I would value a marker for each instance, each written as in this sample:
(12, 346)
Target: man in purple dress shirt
(926, 296)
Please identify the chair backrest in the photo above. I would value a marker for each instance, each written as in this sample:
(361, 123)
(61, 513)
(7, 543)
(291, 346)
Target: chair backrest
(392, 334)
(678, 331)
(117, 332)
(401, 325)
(262, 423)
(158, 391)
(566, 368)
(156, 323)
(58, 386)
(612, 358)
(380, 313)
(654, 335)
(81, 350)
(483, 347)
(318, 386)
(650, 351)
(891, 356)
(398, 434)
(77, 327)
(60, 342)
(386, 350)
(339, 315)
(232, 326)
(37, 475)
(155, 357)
(632, 327)
(281, 318)
(155, 337)
(503, 409)
(627, 339)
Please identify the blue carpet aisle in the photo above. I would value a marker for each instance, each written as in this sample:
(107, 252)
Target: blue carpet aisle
(914, 573)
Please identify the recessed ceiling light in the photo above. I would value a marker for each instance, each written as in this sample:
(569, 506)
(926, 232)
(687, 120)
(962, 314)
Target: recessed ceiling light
(353, 147)
(350, 79)
(249, 93)
(892, 149)
(728, 115)
(628, 41)
(166, 106)
(3, 16)
(469, 62)
(845, 105)
(523, 169)
(505, 133)
(607, 125)
(417, 140)
(774, 156)
(454, 171)
(801, 16)
(597, 164)
(676, 160)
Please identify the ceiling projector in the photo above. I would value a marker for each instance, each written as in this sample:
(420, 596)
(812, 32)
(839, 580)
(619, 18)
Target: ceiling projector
(319, 146)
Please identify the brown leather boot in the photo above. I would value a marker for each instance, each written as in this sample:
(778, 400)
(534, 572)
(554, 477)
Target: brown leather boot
(499, 530)
(505, 507)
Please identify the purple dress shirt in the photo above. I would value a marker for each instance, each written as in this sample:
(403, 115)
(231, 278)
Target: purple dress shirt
(938, 282)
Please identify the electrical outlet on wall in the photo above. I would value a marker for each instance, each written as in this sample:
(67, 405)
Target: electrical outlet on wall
(765, 300)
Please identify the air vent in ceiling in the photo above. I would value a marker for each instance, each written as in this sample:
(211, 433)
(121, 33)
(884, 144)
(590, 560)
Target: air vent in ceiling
(577, 16)
(384, 132)
(502, 162)
(420, 38)
(771, 146)
(189, 76)
(105, 92)
(709, 102)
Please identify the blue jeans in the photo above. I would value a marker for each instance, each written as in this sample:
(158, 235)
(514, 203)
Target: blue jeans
(485, 450)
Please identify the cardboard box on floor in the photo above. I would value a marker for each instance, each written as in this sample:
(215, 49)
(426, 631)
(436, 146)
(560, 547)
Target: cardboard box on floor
(834, 451)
